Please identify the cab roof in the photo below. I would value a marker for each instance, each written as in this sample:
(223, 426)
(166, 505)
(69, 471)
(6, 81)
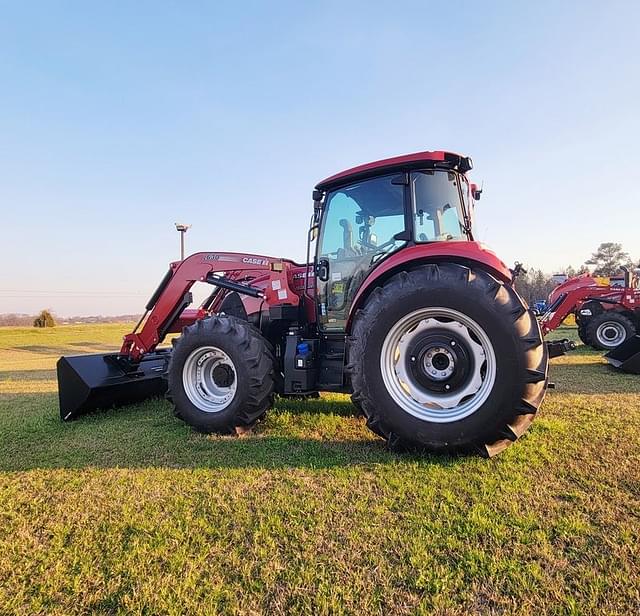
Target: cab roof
(438, 158)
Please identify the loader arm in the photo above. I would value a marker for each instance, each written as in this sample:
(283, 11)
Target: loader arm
(567, 302)
(225, 270)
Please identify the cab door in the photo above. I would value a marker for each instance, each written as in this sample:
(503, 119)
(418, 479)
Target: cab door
(362, 223)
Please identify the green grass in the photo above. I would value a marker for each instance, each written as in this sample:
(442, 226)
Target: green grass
(129, 511)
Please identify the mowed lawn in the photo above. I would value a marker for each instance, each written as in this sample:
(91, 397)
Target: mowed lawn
(129, 511)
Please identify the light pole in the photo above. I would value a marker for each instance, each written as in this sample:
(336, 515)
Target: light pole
(182, 229)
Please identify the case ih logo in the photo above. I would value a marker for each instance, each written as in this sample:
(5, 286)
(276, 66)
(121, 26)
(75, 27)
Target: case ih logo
(233, 258)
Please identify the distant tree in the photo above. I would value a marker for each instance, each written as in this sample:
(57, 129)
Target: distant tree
(534, 285)
(44, 319)
(571, 271)
(608, 259)
(13, 320)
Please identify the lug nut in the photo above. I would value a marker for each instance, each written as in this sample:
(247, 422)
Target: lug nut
(453, 343)
(447, 387)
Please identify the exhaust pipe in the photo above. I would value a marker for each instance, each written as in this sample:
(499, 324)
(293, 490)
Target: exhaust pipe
(101, 381)
(626, 357)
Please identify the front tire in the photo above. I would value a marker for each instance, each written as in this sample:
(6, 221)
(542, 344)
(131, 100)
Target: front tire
(609, 329)
(449, 359)
(221, 375)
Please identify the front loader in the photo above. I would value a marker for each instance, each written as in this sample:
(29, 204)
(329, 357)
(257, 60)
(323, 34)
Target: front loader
(608, 316)
(397, 305)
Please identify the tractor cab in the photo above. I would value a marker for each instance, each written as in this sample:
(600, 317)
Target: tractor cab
(366, 214)
(630, 279)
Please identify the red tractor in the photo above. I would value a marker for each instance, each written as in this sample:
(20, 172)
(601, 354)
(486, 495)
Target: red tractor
(400, 306)
(606, 315)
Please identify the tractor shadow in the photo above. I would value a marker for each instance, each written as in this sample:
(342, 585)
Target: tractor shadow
(315, 434)
(316, 406)
(147, 435)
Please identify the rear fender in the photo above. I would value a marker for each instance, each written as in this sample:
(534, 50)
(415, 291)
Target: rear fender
(594, 307)
(473, 254)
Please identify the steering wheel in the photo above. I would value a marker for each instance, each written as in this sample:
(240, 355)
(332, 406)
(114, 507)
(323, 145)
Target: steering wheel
(376, 247)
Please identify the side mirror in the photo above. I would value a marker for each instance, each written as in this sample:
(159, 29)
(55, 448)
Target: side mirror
(476, 192)
(317, 205)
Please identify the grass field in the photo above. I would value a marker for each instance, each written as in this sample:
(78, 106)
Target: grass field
(129, 511)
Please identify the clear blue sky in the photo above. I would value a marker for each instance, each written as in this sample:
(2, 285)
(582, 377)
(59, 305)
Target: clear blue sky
(119, 118)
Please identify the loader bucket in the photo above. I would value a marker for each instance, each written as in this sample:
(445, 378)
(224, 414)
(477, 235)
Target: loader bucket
(88, 382)
(626, 357)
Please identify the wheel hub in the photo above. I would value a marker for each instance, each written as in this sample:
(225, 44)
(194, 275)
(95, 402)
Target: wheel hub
(223, 375)
(438, 364)
(611, 334)
(439, 359)
(209, 379)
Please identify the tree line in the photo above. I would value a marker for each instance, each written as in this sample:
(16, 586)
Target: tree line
(44, 319)
(606, 261)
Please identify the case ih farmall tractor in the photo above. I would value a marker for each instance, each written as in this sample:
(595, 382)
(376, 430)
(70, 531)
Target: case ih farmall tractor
(400, 307)
(606, 315)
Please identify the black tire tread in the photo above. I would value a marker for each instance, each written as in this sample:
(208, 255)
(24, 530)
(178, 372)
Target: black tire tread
(534, 377)
(607, 315)
(582, 334)
(257, 355)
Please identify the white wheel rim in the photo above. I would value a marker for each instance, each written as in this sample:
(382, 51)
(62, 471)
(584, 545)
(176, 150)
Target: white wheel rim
(209, 378)
(611, 333)
(409, 377)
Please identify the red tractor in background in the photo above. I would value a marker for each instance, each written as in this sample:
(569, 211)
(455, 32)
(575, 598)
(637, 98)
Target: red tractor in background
(606, 315)
(400, 307)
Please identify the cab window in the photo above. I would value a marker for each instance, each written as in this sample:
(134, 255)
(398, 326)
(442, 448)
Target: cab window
(359, 227)
(437, 210)
(362, 219)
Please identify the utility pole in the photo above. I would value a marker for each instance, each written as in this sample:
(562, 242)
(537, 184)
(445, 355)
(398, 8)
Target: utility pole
(182, 229)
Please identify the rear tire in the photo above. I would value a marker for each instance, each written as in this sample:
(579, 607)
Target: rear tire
(221, 375)
(608, 330)
(582, 334)
(485, 345)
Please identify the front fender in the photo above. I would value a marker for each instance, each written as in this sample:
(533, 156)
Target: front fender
(468, 253)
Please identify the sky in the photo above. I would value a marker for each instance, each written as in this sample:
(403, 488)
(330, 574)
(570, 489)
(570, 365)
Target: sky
(118, 119)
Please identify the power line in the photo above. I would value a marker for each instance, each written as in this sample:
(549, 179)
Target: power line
(60, 293)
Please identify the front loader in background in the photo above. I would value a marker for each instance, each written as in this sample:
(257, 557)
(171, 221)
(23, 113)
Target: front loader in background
(607, 316)
(400, 306)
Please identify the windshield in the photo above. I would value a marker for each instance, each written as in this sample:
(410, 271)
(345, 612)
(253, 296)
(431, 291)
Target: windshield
(438, 214)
